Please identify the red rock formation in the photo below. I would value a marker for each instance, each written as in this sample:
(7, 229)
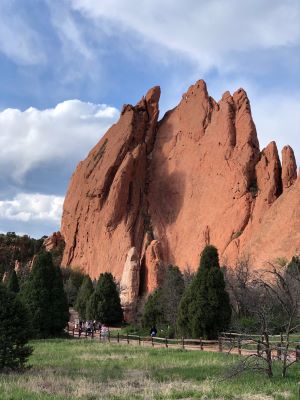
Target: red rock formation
(153, 266)
(105, 210)
(168, 188)
(53, 241)
(130, 284)
(289, 167)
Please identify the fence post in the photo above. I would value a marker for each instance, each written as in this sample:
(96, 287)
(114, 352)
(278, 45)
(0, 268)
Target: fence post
(258, 349)
(92, 333)
(108, 335)
(279, 351)
(166, 341)
(152, 342)
(100, 334)
(139, 340)
(73, 332)
(220, 345)
(298, 353)
(201, 344)
(239, 347)
(127, 339)
(118, 337)
(79, 333)
(86, 333)
(182, 342)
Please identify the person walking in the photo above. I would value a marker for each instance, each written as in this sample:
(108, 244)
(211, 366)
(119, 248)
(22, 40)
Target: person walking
(153, 331)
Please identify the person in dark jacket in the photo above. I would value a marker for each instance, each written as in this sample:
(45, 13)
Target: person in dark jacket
(153, 331)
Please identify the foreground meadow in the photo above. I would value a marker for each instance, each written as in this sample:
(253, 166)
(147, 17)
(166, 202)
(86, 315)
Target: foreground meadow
(85, 369)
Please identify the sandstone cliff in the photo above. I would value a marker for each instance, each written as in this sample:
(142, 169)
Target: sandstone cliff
(156, 192)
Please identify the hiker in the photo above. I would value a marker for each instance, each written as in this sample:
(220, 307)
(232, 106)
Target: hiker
(88, 326)
(153, 331)
(104, 332)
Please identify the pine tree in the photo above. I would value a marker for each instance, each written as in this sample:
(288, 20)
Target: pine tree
(153, 311)
(171, 293)
(2, 271)
(13, 282)
(85, 292)
(184, 315)
(59, 304)
(205, 308)
(104, 304)
(44, 295)
(294, 265)
(15, 330)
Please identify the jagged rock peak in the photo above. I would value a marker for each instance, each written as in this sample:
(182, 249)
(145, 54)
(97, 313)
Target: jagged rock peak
(269, 173)
(148, 191)
(289, 167)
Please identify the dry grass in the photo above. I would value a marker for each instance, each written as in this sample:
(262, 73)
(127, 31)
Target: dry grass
(90, 371)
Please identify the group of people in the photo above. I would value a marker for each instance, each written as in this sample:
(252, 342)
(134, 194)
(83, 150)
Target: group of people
(91, 327)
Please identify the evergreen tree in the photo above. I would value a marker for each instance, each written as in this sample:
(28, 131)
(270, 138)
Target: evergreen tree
(44, 295)
(85, 292)
(59, 304)
(72, 279)
(205, 308)
(13, 282)
(294, 265)
(171, 293)
(153, 311)
(2, 272)
(104, 304)
(71, 292)
(15, 330)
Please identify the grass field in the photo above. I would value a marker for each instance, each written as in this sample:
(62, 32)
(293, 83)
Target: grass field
(85, 369)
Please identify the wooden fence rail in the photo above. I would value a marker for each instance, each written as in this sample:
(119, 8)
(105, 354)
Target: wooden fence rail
(227, 342)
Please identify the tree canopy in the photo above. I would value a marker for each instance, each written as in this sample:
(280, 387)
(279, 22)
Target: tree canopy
(43, 293)
(205, 307)
(85, 292)
(104, 304)
(13, 282)
(15, 330)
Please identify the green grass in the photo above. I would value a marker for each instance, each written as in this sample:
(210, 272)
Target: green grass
(85, 369)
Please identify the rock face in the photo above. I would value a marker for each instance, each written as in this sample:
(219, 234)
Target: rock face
(130, 284)
(168, 188)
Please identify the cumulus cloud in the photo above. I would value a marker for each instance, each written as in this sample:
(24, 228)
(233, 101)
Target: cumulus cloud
(210, 32)
(61, 135)
(27, 207)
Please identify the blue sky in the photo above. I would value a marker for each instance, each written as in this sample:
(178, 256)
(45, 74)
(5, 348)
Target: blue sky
(68, 66)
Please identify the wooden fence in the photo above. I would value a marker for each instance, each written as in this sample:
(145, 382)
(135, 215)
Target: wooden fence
(227, 342)
(249, 344)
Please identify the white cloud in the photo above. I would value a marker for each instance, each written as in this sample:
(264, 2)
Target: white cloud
(18, 41)
(27, 207)
(61, 135)
(70, 34)
(211, 32)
